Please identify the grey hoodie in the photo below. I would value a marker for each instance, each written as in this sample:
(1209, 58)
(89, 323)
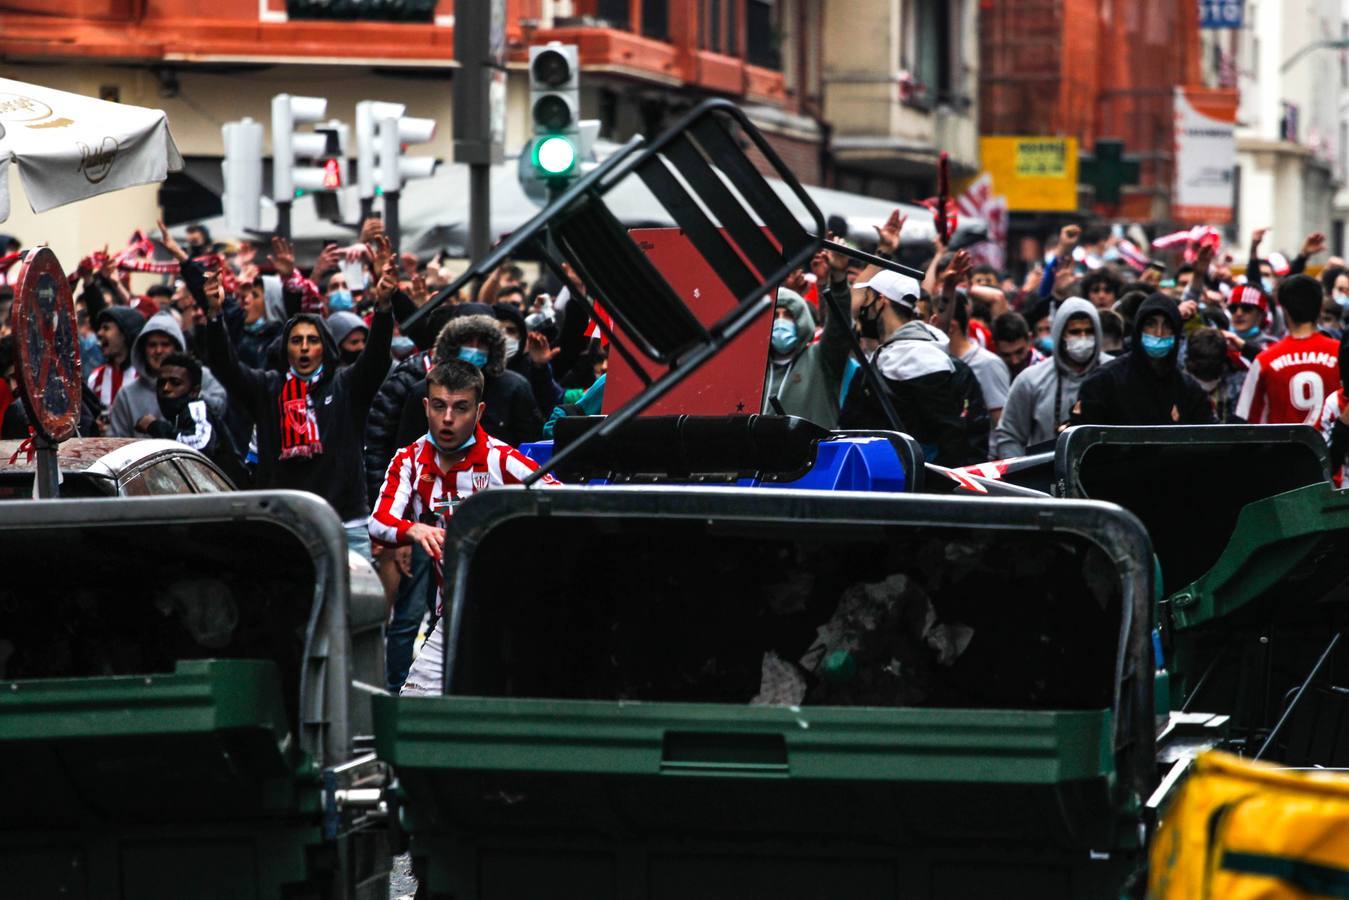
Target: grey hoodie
(1029, 417)
(341, 324)
(138, 398)
(807, 382)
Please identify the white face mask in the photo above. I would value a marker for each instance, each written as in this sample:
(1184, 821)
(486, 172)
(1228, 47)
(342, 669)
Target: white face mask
(1208, 386)
(1080, 349)
(512, 347)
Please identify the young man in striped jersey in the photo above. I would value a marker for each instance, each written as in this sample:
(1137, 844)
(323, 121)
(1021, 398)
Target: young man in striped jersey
(430, 477)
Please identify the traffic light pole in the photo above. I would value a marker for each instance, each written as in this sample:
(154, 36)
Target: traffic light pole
(479, 210)
(391, 227)
(283, 219)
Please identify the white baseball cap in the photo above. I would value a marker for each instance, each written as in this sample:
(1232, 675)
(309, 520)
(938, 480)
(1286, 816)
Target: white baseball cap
(893, 286)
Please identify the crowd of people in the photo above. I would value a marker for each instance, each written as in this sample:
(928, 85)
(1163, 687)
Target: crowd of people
(300, 378)
(977, 366)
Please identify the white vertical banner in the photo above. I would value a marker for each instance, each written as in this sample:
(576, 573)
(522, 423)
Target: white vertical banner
(1206, 155)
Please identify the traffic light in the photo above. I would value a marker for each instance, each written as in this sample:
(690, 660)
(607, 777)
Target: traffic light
(394, 134)
(328, 201)
(242, 175)
(382, 132)
(555, 110)
(289, 145)
(377, 142)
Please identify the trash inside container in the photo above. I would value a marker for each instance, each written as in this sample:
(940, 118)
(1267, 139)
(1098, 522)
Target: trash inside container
(730, 692)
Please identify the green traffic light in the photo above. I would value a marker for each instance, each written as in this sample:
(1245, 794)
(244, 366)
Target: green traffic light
(554, 155)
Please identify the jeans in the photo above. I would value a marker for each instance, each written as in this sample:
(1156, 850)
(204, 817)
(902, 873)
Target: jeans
(416, 592)
(358, 539)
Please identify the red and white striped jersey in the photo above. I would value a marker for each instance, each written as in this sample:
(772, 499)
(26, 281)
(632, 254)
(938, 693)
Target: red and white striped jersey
(107, 380)
(417, 490)
(1289, 381)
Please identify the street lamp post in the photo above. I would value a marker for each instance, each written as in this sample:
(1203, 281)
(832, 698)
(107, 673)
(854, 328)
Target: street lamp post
(1338, 44)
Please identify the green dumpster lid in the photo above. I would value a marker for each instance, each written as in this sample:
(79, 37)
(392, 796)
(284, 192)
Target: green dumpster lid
(1286, 554)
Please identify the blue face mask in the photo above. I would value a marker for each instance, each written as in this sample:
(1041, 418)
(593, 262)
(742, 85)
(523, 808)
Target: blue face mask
(255, 326)
(472, 439)
(473, 356)
(784, 335)
(1045, 345)
(1249, 333)
(402, 346)
(1158, 347)
(311, 377)
(340, 300)
(89, 346)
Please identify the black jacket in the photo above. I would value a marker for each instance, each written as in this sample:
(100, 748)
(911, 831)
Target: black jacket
(199, 428)
(341, 398)
(381, 426)
(943, 408)
(1134, 389)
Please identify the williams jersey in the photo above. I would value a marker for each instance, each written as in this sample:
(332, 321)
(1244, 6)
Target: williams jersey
(1289, 382)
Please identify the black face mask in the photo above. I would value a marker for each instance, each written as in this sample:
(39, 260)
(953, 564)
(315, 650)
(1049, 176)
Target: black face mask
(195, 249)
(171, 409)
(869, 321)
(349, 356)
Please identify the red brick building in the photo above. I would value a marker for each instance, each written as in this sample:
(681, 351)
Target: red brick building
(1091, 69)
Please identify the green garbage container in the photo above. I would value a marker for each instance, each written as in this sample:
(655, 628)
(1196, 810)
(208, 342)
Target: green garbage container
(174, 701)
(1246, 635)
(598, 737)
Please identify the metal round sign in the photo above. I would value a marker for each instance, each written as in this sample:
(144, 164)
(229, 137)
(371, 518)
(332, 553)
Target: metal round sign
(46, 345)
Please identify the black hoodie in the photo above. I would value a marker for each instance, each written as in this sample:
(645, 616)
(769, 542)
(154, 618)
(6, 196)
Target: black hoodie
(1135, 389)
(341, 398)
(547, 392)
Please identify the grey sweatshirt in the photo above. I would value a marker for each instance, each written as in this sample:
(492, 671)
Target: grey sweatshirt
(1043, 395)
(138, 398)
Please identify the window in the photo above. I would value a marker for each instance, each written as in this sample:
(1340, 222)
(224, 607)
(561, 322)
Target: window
(615, 13)
(656, 19)
(932, 50)
(762, 34)
(389, 11)
(203, 478)
(156, 480)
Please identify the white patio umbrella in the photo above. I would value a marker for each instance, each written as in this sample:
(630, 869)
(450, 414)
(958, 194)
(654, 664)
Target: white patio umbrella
(69, 147)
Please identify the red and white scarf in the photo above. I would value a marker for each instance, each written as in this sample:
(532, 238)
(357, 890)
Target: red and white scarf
(107, 381)
(299, 425)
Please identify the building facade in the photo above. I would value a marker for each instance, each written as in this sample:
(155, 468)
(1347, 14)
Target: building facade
(901, 84)
(209, 63)
(1289, 163)
(1092, 71)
